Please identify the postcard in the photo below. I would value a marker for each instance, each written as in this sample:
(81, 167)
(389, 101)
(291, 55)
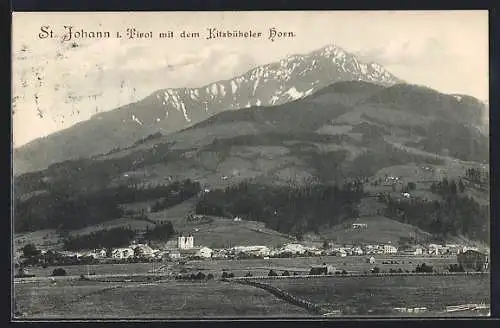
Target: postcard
(250, 165)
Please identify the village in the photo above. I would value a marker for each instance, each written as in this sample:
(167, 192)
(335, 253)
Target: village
(184, 249)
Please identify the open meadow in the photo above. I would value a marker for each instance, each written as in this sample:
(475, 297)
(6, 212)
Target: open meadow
(170, 299)
(259, 267)
(352, 264)
(382, 294)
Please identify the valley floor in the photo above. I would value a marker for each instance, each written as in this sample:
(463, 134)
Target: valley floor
(150, 298)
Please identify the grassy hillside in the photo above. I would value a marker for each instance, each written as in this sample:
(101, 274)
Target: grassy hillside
(349, 131)
(380, 230)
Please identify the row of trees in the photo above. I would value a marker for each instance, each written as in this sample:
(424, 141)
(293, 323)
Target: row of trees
(107, 238)
(148, 138)
(445, 187)
(161, 232)
(476, 175)
(62, 209)
(179, 192)
(53, 211)
(291, 210)
(116, 237)
(196, 277)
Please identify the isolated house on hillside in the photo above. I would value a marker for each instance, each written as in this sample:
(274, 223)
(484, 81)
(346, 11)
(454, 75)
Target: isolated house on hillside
(359, 226)
(472, 260)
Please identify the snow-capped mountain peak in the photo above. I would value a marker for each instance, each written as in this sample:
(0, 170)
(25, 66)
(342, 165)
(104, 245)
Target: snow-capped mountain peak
(288, 79)
(169, 110)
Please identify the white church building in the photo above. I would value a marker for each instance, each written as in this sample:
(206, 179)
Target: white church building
(186, 248)
(184, 242)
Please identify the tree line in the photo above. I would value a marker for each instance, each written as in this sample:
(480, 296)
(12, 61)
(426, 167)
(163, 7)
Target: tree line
(455, 214)
(162, 232)
(65, 210)
(287, 209)
(107, 238)
(118, 237)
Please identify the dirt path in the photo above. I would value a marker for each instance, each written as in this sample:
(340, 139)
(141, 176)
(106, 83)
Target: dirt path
(285, 296)
(415, 151)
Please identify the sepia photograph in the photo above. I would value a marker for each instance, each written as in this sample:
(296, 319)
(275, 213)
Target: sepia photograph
(250, 165)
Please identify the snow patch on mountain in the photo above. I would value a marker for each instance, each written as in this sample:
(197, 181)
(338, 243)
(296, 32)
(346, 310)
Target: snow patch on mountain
(183, 107)
(234, 87)
(214, 89)
(309, 92)
(135, 119)
(292, 92)
(256, 83)
(286, 77)
(222, 90)
(193, 95)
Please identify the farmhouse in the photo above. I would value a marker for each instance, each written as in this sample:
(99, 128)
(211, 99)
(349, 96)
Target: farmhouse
(173, 254)
(195, 252)
(453, 248)
(389, 249)
(359, 226)
(204, 252)
(412, 250)
(294, 249)
(340, 252)
(418, 250)
(313, 251)
(435, 249)
(70, 254)
(252, 250)
(91, 254)
(357, 251)
(143, 249)
(473, 260)
(101, 253)
(467, 248)
(322, 269)
(122, 253)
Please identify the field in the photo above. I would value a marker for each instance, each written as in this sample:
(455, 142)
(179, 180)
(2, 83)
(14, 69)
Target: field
(169, 298)
(172, 299)
(380, 230)
(354, 264)
(364, 295)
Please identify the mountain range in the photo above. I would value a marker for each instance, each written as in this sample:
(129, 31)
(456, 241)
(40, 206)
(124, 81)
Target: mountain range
(348, 130)
(350, 126)
(169, 110)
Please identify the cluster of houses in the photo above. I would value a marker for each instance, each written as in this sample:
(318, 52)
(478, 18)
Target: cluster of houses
(185, 248)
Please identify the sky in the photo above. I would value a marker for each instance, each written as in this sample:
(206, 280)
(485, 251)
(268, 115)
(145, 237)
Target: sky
(59, 83)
